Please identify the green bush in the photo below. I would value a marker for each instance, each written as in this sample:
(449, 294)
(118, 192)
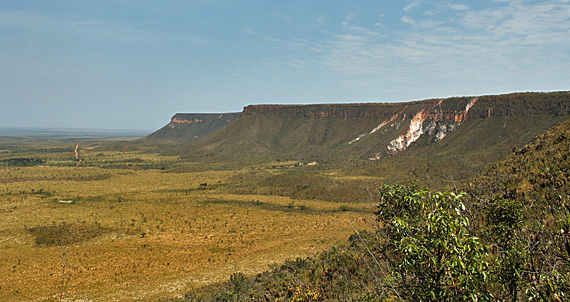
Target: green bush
(427, 243)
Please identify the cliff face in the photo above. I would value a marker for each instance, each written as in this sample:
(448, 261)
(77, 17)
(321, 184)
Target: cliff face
(371, 110)
(462, 126)
(191, 126)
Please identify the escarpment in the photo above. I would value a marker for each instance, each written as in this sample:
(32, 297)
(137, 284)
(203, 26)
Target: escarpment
(372, 131)
(191, 126)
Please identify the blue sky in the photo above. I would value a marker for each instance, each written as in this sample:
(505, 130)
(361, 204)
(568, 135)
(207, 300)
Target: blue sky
(126, 64)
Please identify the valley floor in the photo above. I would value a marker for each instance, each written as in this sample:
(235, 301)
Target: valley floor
(109, 228)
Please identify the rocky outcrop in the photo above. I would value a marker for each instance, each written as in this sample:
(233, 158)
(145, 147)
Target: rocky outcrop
(438, 124)
(431, 119)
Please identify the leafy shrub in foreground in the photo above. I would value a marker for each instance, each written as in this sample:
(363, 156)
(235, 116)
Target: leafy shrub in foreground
(425, 239)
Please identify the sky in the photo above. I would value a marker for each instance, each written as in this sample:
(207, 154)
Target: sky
(126, 64)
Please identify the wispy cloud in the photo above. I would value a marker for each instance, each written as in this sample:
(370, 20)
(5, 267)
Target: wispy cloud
(411, 6)
(501, 42)
(348, 19)
(359, 29)
(459, 7)
(543, 23)
(408, 20)
(298, 63)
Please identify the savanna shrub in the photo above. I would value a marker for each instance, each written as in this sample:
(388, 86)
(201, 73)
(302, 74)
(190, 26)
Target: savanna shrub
(426, 240)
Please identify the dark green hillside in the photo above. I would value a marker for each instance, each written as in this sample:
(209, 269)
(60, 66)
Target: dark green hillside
(191, 126)
(523, 206)
(505, 240)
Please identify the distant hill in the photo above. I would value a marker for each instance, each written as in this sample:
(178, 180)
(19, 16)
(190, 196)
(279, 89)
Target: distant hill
(192, 126)
(484, 126)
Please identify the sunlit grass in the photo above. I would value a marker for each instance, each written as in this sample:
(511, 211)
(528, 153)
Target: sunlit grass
(163, 233)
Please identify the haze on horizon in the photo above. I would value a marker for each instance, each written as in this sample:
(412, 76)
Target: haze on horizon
(123, 64)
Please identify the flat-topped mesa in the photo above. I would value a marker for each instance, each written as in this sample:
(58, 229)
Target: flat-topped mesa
(191, 126)
(368, 130)
(454, 108)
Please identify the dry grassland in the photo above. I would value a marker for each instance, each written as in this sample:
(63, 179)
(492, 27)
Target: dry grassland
(143, 234)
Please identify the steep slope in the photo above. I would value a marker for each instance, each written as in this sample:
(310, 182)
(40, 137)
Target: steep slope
(466, 125)
(522, 206)
(191, 126)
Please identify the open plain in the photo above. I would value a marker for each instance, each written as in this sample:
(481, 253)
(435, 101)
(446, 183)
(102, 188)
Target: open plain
(117, 226)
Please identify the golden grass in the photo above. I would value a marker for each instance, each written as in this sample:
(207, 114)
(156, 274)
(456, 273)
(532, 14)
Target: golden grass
(339, 176)
(165, 236)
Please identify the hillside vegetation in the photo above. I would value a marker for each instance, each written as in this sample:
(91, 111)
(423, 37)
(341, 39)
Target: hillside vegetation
(506, 239)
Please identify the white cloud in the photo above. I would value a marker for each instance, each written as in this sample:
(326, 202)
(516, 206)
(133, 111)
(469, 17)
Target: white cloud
(270, 39)
(543, 23)
(509, 46)
(359, 29)
(459, 7)
(298, 63)
(408, 20)
(363, 30)
(347, 20)
(460, 49)
(410, 6)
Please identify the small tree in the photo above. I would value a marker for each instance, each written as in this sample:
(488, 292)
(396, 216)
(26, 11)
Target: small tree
(426, 240)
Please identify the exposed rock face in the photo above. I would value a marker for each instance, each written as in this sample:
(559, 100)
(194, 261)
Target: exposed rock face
(438, 125)
(430, 119)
